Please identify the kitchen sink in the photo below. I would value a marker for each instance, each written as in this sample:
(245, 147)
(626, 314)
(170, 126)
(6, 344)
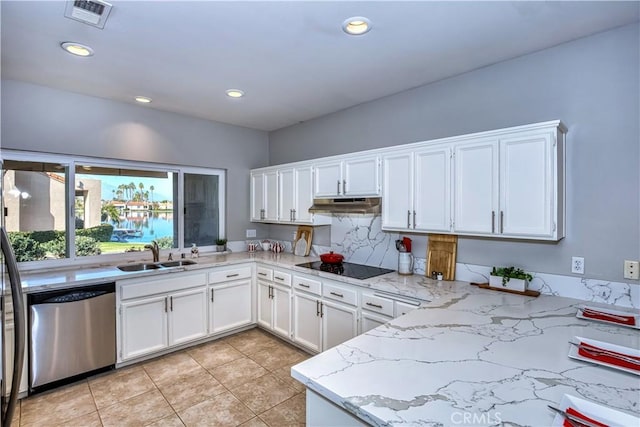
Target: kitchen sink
(138, 267)
(178, 263)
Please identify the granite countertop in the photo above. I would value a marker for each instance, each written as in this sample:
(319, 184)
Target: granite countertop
(500, 356)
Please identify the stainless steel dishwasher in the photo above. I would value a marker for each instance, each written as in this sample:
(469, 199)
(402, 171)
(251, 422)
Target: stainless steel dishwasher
(72, 334)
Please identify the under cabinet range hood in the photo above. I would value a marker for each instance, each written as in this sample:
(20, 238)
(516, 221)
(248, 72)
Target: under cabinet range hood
(361, 205)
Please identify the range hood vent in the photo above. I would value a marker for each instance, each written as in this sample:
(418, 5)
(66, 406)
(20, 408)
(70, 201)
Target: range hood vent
(90, 12)
(369, 205)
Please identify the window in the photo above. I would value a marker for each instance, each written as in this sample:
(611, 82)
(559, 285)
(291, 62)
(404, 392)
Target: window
(96, 207)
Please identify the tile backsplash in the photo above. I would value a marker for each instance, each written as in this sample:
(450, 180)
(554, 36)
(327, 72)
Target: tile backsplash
(361, 240)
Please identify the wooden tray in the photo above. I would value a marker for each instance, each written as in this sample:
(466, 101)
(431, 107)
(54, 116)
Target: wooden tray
(304, 232)
(528, 292)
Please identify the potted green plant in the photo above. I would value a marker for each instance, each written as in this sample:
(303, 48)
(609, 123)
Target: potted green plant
(221, 245)
(510, 278)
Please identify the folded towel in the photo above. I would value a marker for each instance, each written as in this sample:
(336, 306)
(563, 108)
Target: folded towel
(611, 357)
(581, 416)
(601, 315)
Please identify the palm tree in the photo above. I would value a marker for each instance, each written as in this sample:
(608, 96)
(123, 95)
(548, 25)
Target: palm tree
(132, 188)
(111, 212)
(151, 188)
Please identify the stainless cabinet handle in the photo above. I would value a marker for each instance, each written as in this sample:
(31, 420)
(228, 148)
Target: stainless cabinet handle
(171, 303)
(270, 292)
(338, 193)
(493, 221)
(279, 278)
(414, 219)
(501, 222)
(303, 285)
(317, 308)
(344, 186)
(374, 305)
(408, 219)
(321, 311)
(165, 304)
(262, 274)
(211, 295)
(232, 275)
(337, 294)
(293, 217)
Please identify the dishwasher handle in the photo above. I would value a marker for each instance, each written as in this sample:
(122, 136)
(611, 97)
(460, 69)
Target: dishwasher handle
(73, 297)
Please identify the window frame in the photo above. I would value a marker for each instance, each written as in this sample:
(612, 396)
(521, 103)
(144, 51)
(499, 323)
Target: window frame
(72, 161)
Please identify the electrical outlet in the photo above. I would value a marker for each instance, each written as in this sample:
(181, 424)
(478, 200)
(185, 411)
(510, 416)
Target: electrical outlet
(631, 269)
(577, 265)
(251, 233)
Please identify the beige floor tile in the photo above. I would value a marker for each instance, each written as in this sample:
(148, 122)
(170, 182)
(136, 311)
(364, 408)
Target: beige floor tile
(140, 410)
(284, 375)
(170, 366)
(214, 354)
(291, 412)
(190, 388)
(254, 422)
(279, 356)
(88, 420)
(263, 393)
(119, 385)
(58, 406)
(238, 372)
(223, 410)
(170, 421)
(252, 341)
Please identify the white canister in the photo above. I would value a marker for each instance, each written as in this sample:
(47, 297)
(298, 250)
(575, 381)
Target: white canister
(405, 263)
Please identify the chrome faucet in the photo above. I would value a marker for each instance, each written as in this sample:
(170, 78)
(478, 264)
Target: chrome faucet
(155, 250)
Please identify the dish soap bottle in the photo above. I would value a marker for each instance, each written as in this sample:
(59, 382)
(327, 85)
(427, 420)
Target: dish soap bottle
(194, 251)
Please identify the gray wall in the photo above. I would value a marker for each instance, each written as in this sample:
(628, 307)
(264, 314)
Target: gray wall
(592, 84)
(38, 118)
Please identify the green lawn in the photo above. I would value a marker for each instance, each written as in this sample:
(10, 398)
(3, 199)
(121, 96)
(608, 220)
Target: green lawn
(119, 247)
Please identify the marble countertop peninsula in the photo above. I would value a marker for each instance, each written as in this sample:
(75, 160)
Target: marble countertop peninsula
(470, 352)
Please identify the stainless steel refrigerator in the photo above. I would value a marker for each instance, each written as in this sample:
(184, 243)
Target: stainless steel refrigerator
(12, 320)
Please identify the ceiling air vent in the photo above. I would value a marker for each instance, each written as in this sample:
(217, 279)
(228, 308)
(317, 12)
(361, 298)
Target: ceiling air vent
(90, 12)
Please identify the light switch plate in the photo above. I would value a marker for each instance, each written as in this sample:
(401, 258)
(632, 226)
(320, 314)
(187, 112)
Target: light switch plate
(251, 233)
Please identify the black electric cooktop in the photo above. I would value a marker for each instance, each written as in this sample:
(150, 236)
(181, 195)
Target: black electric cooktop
(347, 269)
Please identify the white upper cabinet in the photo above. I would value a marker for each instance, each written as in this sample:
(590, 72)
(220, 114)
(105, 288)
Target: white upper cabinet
(511, 185)
(264, 195)
(417, 190)
(296, 196)
(476, 187)
(355, 176)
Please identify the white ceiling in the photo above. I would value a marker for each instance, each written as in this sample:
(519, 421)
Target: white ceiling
(290, 57)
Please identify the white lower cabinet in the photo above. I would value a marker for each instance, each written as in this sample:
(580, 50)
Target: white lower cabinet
(307, 323)
(161, 312)
(339, 324)
(230, 306)
(370, 321)
(274, 308)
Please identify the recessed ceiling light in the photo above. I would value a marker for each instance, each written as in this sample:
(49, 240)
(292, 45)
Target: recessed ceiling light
(77, 49)
(143, 99)
(234, 93)
(356, 25)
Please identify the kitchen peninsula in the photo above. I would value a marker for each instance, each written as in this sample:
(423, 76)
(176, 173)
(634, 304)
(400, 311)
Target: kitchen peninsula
(466, 350)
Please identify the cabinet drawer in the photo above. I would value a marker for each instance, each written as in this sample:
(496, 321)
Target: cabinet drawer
(264, 273)
(161, 285)
(403, 308)
(307, 285)
(339, 293)
(377, 304)
(282, 277)
(230, 274)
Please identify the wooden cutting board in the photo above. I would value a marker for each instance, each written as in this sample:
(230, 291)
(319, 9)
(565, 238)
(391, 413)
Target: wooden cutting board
(304, 232)
(441, 255)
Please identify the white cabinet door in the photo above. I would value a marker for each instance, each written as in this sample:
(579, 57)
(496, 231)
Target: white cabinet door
(339, 324)
(265, 306)
(144, 326)
(526, 185)
(371, 321)
(271, 195)
(432, 189)
(281, 297)
(230, 306)
(328, 180)
(306, 321)
(257, 196)
(476, 187)
(187, 315)
(303, 179)
(361, 177)
(397, 191)
(286, 193)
